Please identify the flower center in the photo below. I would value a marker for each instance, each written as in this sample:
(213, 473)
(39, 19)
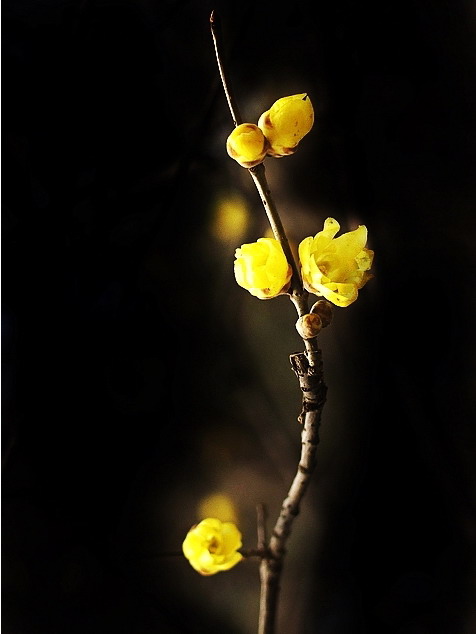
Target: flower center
(213, 546)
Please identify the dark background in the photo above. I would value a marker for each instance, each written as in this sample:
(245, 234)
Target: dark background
(138, 377)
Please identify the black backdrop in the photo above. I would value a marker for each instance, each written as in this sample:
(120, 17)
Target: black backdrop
(122, 327)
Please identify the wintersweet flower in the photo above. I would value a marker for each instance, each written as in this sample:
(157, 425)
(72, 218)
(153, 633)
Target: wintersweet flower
(336, 268)
(211, 546)
(247, 145)
(287, 121)
(262, 269)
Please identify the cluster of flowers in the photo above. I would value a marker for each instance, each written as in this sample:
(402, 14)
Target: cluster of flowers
(334, 268)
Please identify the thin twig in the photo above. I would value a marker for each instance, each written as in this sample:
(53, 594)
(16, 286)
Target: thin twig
(216, 34)
(261, 527)
(253, 552)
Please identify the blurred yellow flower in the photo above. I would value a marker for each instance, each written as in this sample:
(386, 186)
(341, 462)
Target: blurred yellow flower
(211, 546)
(230, 219)
(262, 269)
(247, 145)
(218, 505)
(287, 121)
(336, 268)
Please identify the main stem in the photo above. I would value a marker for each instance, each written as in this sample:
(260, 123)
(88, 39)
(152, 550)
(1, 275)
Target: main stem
(308, 369)
(314, 396)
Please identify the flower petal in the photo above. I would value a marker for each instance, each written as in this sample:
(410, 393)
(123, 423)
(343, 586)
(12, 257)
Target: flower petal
(350, 244)
(339, 294)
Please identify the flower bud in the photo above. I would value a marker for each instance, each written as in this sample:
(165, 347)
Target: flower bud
(324, 309)
(287, 121)
(309, 326)
(247, 145)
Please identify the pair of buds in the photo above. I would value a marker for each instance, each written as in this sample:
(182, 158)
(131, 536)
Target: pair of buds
(278, 133)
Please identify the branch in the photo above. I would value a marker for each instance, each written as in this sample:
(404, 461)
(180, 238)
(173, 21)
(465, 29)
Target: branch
(217, 42)
(314, 396)
(308, 369)
(314, 391)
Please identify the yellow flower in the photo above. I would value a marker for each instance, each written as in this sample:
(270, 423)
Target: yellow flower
(287, 121)
(212, 545)
(336, 268)
(247, 145)
(261, 267)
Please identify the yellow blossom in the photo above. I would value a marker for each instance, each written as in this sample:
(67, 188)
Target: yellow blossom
(231, 218)
(218, 505)
(261, 267)
(336, 268)
(247, 145)
(211, 546)
(287, 121)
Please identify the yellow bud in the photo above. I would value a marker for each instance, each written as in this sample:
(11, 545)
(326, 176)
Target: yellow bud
(309, 326)
(287, 121)
(247, 145)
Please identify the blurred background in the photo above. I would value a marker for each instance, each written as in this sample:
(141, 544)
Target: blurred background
(142, 388)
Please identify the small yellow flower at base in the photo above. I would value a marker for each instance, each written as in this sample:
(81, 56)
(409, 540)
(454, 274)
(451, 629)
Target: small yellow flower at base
(262, 269)
(287, 121)
(336, 268)
(211, 546)
(247, 145)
